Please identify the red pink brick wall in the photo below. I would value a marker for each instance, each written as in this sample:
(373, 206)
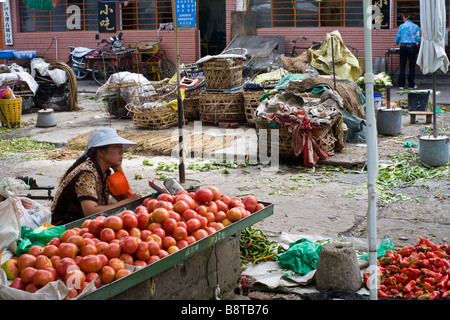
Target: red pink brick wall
(382, 40)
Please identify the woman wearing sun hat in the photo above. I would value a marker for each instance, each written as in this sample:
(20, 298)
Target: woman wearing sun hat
(83, 190)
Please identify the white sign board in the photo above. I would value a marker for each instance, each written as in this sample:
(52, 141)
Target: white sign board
(7, 26)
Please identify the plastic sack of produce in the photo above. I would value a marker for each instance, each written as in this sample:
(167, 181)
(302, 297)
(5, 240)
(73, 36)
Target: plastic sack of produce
(301, 257)
(31, 213)
(6, 93)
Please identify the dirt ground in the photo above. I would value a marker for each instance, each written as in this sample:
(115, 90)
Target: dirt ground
(329, 202)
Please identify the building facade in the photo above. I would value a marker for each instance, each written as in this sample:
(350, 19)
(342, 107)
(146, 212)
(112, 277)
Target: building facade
(86, 22)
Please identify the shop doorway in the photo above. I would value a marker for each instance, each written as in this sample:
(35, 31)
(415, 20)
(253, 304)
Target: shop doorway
(212, 26)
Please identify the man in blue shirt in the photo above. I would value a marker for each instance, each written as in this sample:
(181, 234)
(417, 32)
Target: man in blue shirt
(408, 36)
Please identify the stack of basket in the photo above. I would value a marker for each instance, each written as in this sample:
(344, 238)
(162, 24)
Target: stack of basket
(251, 102)
(222, 102)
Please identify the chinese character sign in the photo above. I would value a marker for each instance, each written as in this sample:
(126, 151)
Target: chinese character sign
(106, 17)
(381, 14)
(186, 13)
(7, 23)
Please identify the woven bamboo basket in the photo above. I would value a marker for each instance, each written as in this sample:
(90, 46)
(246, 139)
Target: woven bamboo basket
(192, 101)
(11, 112)
(150, 108)
(223, 74)
(251, 102)
(221, 107)
(329, 138)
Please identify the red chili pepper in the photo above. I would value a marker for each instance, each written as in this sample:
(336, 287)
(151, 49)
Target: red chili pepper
(401, 278)
(409, 287)
(430, 255)
(394, 269)
(384, 295)
(446, 263)
(443, 282)
(440, 254)
(416, 264)
(435, 295)
(405, 251)
(390, 253)
(426, 264)
(385, 261)
(416, 294)
(389, 281)
(412, 273)
(404, 262)
(446, 293)
(429, 287)
(432, 274)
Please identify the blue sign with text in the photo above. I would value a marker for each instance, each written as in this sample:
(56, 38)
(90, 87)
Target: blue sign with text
(186, 13)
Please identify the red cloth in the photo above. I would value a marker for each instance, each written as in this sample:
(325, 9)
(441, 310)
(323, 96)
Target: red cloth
(298, 124)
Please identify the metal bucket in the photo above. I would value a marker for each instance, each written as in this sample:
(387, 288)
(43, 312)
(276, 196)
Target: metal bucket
(418, 101)
(45, 118)
(389, 121)
(434, 151)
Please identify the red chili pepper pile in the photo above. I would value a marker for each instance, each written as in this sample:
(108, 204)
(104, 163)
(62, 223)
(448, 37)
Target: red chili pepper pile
(415, 272)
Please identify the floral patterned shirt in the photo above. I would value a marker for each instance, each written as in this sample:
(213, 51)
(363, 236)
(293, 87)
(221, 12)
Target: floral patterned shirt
(85, 182)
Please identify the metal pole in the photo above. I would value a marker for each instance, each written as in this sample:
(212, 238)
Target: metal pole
(181, 167)
(332, 60)
(372, 151)
(434, 106)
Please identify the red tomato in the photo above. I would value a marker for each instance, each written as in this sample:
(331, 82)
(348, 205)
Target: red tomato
(221, 206)
(159, 232)
(154, 247)
(107, 274)
(129, 245)
(193, 224)
(51, 250)
(182, 244)
(199, 234)
(107, 235)
(145, 233)
(250, 203)
(130, 220)
(168, 241)
(66, 234)
(126, 258)
(68, 249)
(75, 279)
(153, 258)
(180, 206)
(212, 207)
(122, 234)
(179, 233)
(216, 193)
(151, 205)
(36, 250)
(27, 275)
(135, 232)
(113, 222)
(90, 263)
(26, 260)
(112, 251)
(204, 195)
(160, 214)
(43, 262)
(116, 264)
(88, 249)
(169, 225)
(94, 276)
(143, 219)
(234, 214)
(122, 273)
(95, 226)
(165, 197)
(189, 214)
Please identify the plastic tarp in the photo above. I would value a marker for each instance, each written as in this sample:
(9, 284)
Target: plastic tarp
(301, 257)
(345, 63)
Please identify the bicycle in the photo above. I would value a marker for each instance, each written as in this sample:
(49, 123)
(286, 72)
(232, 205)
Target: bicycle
(314, 45)
(151, 59)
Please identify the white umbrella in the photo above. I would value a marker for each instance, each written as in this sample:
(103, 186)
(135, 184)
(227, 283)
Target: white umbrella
(432, 56)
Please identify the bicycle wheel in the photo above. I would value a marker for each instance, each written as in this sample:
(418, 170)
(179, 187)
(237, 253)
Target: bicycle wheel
(166, 68)
(102, 70)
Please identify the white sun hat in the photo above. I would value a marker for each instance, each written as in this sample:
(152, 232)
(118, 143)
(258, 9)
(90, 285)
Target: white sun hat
(104, 137)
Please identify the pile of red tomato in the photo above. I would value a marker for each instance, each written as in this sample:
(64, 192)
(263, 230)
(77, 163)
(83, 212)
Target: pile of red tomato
(103, 248)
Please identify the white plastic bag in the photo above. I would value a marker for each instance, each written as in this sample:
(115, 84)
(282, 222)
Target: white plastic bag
(31, 213)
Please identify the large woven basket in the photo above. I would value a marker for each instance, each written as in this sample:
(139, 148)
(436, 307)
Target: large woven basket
(151, 109)
(192, 100)
(156, 119)
(221, 107)
(11, 112)
(223, 73)
(251, 102)
(329, 138)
